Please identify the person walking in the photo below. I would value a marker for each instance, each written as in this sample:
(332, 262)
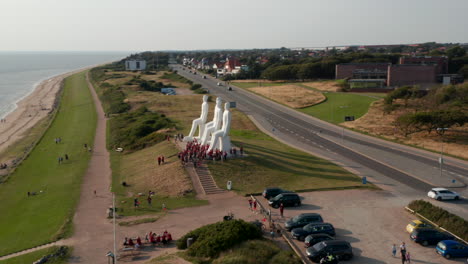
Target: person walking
(394, 250)
(250, 204)
(255, 205)
(408, 258)
(281, 209)
(136, 203)
(403, 258)
(159, 160)
(149, 200)
(403, 252)
(66, 156)
(162, 159)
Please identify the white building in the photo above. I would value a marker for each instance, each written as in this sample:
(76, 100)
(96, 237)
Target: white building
(135, 65)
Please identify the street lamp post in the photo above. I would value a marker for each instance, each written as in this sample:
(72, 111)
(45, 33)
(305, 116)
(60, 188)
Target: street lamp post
(342, 131)
(441, 159)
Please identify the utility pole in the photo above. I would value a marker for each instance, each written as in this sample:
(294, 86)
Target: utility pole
(113, 216)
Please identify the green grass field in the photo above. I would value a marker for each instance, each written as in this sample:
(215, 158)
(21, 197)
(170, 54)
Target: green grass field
(138, 169)
(271, 163)
(45, 217)
(339, 105)
(34, 256)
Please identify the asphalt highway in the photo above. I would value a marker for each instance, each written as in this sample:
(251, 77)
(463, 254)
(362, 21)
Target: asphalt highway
(410, 167)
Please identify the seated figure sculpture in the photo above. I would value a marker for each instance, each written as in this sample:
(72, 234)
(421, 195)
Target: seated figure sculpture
(214, 125)
(220, 138)
(199, 122)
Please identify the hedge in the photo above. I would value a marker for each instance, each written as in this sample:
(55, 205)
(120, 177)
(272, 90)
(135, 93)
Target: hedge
(442, 218)
(212, 239)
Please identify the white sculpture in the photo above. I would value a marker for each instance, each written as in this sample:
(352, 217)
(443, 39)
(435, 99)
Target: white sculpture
(220, 138)
(214, 125)
(199, 122)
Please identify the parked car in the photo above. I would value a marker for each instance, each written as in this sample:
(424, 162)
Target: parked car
(302, 220)
(311, 240)
(287, 199)
(272, 192)
(443, 194)
(415, 224)
(219, 84)
(452, 249)
(313, 228)
(429, 236)
(339, 248)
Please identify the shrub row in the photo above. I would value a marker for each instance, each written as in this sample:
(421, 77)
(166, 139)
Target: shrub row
(451, 222)
(210, 240)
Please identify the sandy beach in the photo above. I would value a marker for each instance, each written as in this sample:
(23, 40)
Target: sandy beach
(30, 110)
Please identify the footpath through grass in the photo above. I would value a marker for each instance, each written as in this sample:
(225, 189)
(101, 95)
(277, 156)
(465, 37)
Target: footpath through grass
(36, 255)
(339, 105)
(25, 221)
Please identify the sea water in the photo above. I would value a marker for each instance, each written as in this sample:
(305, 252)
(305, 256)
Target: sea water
(20, 72)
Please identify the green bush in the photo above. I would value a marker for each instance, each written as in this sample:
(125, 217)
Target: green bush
(257, 251)
(137, 130)
(451, 222)
(210, 240)
(195, 86)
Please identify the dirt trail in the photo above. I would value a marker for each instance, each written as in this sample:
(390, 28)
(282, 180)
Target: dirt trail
(90, 222)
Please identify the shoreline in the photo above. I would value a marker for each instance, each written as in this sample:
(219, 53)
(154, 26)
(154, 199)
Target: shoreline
(32, 108)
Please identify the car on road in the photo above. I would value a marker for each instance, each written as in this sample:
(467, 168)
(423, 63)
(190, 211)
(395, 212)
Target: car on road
(219, 84)
(339, 248)
(204, 77)
(443, 194)
(287, 199)
(415, 224)
(313, 228)
(272, 192)
(452, 249)
(302, 220)
(429, 236)
(311, 240)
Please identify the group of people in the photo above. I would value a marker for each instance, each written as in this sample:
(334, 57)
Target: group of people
(128, 242)
(163, 238)
(3, 166)
(252, 204)
(404, 254)
(60, 159)
(195, 152)
(160, 160)
(3, 120)
(151, 237)
(178, 137)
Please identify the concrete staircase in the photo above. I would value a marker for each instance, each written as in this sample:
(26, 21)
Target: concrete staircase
(206, 180)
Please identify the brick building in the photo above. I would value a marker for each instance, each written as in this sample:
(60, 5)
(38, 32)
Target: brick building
(410, 71)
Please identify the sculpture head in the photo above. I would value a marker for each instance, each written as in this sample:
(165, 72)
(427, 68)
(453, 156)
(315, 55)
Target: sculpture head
(227, 106)
(205, 98)
(219, 101)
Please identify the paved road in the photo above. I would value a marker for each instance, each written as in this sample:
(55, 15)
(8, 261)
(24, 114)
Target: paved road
(408, 170)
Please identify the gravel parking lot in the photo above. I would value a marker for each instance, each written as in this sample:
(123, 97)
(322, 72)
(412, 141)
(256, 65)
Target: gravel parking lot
(370, 220)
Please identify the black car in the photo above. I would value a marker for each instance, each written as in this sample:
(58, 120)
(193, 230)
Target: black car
(311, 240)
(428, 236)
(287, 199)
(339, 248)
(302, 220)
(313, 228)
(272, 192)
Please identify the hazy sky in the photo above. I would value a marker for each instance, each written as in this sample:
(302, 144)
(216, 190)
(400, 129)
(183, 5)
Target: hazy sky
(137, 25)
